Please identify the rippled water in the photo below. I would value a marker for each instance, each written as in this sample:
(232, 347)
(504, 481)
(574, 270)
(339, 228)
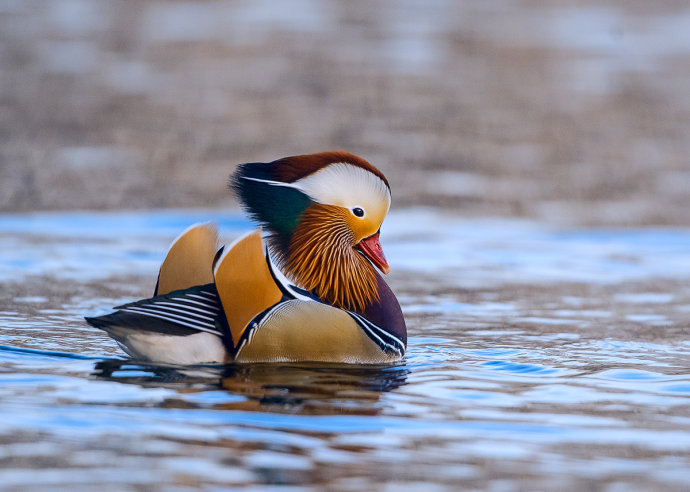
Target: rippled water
(538, 359)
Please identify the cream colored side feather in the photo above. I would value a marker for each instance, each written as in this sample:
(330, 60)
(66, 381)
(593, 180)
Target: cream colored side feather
(310, 331)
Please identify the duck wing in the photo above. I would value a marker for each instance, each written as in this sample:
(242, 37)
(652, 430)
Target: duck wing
(181, 327)
(190, 323)
(184, 322)
(245, 283)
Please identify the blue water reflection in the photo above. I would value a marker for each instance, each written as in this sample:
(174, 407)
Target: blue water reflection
(524, 372)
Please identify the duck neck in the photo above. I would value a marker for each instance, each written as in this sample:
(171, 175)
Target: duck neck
(321, 258)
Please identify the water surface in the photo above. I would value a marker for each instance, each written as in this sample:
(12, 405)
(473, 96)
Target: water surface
(539, 358)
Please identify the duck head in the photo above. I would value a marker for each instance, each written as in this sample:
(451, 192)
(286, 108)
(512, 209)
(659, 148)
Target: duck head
(323, 213)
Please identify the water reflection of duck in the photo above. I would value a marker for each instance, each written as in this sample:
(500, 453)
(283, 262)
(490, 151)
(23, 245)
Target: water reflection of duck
(303, 387)
(307, 291)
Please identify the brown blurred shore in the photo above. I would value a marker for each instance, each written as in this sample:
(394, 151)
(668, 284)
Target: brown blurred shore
(573, 113)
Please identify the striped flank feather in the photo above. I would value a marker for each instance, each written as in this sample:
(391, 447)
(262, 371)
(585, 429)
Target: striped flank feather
(388, 343)
(179, 313)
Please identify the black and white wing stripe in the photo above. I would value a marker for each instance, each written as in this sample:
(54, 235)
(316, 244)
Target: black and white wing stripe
(289, 290)
(179, 313)
(388, 343)
(195, 308)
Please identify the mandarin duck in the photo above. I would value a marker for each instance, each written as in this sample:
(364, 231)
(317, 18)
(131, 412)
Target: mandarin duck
(304, 286)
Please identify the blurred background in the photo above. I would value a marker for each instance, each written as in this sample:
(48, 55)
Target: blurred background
(571, 112)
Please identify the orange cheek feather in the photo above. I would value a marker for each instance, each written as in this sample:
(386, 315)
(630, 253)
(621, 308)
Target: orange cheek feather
(325, 235)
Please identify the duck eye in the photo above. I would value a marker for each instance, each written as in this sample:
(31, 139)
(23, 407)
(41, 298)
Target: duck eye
(358, 212)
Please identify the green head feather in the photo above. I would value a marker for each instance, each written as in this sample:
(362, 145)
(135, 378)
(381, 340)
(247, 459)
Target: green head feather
(276, 208)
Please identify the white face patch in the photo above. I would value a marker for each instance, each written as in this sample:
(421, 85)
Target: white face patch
(347, 186)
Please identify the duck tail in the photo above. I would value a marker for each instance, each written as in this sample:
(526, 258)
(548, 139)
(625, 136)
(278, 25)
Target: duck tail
(185, 326)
